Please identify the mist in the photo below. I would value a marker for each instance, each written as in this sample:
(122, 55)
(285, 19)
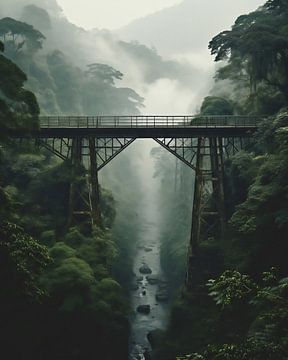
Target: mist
(154, 64)
(168, 66)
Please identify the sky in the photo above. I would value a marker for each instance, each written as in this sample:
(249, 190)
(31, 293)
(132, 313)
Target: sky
(181, 34)
(113, 14)
(110, 14)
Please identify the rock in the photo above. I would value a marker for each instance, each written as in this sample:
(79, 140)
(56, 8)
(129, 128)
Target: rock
(144, 292)
(147, 355)
(152, 279)
(162, 295)
(148, 249)
(144, 309)
(145, 269)
(139, 278)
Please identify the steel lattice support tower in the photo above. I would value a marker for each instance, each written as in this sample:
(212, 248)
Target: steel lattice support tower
(199, 141)
(84, 191)
(88, 155)
(208, 217)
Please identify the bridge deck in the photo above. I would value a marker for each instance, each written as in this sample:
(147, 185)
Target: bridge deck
(147, 126)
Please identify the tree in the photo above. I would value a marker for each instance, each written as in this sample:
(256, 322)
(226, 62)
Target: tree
(22, 261)
(213, 105)
(267, 336)
(104, 73)
(279, 6)
(18, 107)
(18, 36)
(259, 39)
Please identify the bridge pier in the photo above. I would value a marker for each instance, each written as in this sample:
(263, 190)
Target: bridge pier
(94, 184)
(84, 203)
(198, 141)
(208, 215)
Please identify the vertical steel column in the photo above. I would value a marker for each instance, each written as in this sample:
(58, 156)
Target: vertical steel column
(208, 218)
(221, 192)
(196, 212)
(76, 159)
(217, 178)
(94, 184)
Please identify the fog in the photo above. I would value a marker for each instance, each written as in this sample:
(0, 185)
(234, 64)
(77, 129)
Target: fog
(166, 67)
(172, 70)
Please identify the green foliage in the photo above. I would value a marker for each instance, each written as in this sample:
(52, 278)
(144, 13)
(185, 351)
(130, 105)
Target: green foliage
(279, 6)
(60, 85)
(84, 306)
(249, 317)
(22, 259)
(250, 349)
(231, 286)
(18, 35)
(18, 107)
(68, 275)
(103, 73)
(213, 105)
(259, 40)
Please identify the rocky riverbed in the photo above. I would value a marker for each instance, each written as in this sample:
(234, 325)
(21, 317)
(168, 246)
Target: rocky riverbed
(148, 313)
(149, 293)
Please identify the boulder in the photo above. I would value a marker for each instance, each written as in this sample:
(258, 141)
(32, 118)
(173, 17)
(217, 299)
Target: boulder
(148, 249)
(152, 279)
(162, 295)
(147, 355)
(144, 309)
(145, 269)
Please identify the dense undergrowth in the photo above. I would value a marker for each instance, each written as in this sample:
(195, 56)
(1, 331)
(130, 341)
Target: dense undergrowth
(59, 297)
(242, 313)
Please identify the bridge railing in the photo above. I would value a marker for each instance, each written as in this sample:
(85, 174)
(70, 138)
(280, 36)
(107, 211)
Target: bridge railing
(147, 121)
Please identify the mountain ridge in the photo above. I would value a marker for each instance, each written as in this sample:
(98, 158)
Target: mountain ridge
(164, 28)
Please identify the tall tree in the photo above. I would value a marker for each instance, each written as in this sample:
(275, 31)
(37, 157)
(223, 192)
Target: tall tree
(18, 107)
(259, 40)
(18, 36)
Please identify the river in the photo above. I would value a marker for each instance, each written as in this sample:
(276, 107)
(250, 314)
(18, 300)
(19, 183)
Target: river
(147, 251)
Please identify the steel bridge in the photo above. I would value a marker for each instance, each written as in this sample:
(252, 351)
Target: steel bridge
(201, 142)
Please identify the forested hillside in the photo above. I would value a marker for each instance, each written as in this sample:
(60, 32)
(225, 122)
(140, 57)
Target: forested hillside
(237, 308)
(65, 285)
(58, 295)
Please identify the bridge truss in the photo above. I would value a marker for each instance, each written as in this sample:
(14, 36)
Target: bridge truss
(200, 142)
